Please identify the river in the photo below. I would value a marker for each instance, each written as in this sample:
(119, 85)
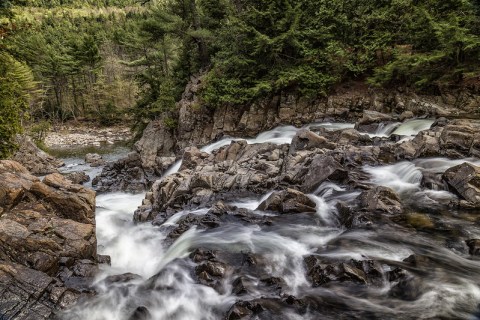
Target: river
(159, 276)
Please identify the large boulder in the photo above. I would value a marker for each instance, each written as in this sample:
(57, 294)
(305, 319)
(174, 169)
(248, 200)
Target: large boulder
(321, 169)
(464, 180)
(34, 159)
(129, 175)
(288, 201)
(47, 237)
(460, 139)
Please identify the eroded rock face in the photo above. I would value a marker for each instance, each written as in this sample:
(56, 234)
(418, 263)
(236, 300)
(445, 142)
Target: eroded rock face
(47, 237)
(34, 159)
(156, 141)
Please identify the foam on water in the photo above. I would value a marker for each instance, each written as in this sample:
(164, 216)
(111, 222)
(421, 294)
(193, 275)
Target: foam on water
(401, 177)
(167, 289)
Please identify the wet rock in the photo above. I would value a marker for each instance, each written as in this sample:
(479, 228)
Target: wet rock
(322, 272)
(85, 268)
(240, 286)
(473, 247)
(458, 139)
(104, 259)
(210, 273)
(381, 200)
(94, 159)
(121, 278)
(141, 313)
(126, 174)
(370, 121)
(321, 169)
(240, 310)
(288, 201)
(34, 159)
(219, 209)
(203, 221)
(306, 140)
(77, 177)
(408, 288)
(464, 180)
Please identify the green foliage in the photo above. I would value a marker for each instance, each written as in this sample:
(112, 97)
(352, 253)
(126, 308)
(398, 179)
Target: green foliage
(76, 59)
(109, 114)
(307, 46)
(99, 58)
(39, 131)
(16, 83)
(170, 123)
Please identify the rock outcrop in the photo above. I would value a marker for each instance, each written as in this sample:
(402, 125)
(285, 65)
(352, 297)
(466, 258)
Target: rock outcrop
(199, 125)
(128, 174)
(48, 248)
(35, 160)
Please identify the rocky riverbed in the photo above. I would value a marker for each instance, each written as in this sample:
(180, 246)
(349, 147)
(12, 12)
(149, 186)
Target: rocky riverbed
(372, 219)
(367, 221)
(81, 135)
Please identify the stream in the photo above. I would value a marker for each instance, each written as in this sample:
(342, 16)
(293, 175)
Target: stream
(156, 274)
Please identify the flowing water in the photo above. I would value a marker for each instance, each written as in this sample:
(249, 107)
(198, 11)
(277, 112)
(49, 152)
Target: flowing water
(447, 289)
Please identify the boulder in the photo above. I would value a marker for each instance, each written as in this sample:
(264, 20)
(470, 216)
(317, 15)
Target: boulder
(321, 169)
(94, 159)
(371, 120)
(288, 201)
(305, 139)
(35, 160)
(77, 177)
(464, 180)
(380, 200)
(473, 246)
(459, 138)
(129, 175)
(68, 200)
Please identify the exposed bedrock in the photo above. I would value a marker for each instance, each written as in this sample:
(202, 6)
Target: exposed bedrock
(48, 247)
(199, 125)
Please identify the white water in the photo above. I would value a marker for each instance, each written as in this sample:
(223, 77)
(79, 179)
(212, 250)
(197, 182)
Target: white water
(278, 135)
(409, 128)
(167, 288)
(412, 127)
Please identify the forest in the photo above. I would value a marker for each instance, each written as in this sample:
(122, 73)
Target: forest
(129, 60)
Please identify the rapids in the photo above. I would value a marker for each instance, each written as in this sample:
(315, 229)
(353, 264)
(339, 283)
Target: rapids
(164, 284)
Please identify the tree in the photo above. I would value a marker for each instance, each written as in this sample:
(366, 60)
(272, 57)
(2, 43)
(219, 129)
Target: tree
(16, 83)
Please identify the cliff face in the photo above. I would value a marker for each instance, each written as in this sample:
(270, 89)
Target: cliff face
(198, 125)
